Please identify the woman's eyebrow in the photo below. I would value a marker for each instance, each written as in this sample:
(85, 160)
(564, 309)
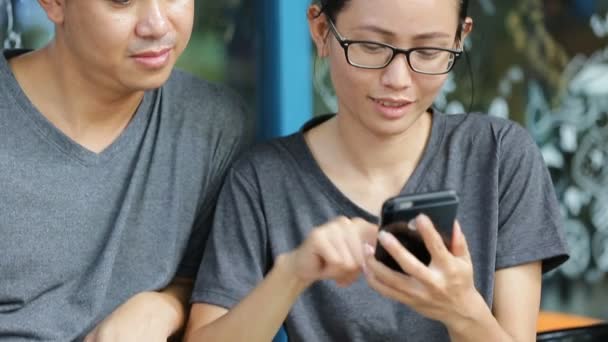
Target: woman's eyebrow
(431, 35)
(376, 29)
(390, 34)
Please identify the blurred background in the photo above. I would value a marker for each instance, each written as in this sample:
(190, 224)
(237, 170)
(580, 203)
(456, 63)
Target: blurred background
(543, 63)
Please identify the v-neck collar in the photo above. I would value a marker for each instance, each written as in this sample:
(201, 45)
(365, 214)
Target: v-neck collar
(24, 107)
(415, 181)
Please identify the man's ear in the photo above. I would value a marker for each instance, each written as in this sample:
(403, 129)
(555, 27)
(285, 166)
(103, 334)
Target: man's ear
(54, 10)
(319, 30)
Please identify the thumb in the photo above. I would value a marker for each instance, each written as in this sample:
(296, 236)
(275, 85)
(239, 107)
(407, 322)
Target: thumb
(459, 242)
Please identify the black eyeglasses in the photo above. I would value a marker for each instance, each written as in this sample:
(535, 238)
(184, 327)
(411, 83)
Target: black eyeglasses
(373, 55)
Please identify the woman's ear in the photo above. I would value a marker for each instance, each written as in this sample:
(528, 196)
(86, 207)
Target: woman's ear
(54, 10)
(467, 27)
(319, 29)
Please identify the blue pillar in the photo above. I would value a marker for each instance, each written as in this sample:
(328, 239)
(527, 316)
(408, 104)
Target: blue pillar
(284, 73)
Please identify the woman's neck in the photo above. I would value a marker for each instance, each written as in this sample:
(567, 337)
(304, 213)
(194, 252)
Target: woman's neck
(376, 156)
(365, 167)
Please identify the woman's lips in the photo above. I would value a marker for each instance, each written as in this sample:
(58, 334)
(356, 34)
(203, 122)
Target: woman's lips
(392, 108)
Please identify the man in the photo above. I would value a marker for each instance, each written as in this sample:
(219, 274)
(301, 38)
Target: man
(110, 164)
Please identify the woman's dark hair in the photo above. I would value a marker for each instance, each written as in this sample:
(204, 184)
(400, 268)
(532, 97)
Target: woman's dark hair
(331, 8)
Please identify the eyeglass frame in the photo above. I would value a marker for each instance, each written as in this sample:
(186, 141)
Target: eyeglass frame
(345, 43)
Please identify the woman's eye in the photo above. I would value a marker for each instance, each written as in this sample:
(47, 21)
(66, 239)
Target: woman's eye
(371, 47)
(428, 54)
(121, 2)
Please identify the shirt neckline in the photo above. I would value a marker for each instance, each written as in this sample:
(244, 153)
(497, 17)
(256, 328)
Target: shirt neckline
(351, 209)
(55, 137)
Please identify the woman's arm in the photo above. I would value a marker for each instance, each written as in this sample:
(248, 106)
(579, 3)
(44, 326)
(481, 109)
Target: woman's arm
(257, 318)
(332, 251)
(445, 291)
(515, 309)
(517, 293)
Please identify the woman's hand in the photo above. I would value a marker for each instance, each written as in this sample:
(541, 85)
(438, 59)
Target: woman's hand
(334, 250)
(443, 291)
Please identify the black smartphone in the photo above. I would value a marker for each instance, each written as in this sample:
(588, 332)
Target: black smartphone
(440, 207)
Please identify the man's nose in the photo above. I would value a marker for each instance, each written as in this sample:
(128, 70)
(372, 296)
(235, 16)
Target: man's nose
(153, 21)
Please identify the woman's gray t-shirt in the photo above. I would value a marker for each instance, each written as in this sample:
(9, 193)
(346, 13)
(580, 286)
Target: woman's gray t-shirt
(277, 193)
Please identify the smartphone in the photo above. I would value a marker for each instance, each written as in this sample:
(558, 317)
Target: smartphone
(441, 207)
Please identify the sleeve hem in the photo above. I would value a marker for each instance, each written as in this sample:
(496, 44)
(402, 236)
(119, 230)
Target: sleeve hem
(549, 260)
(215, 297)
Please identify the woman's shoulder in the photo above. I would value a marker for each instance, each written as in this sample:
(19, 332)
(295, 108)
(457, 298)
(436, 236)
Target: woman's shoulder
(289, 150)
(480, 126)
(479, 120)
(270, 156)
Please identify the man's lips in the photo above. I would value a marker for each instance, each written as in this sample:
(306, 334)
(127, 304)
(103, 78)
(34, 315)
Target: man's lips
(155, 59)
(151, 54)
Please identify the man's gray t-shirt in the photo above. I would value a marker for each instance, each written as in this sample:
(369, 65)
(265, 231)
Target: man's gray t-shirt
(277, 193)
(81, 232)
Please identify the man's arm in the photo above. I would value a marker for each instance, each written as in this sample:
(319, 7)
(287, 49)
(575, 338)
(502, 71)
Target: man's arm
(175, 301)
(147, 316)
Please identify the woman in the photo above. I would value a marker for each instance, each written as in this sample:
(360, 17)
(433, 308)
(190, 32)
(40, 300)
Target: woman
(295, 226)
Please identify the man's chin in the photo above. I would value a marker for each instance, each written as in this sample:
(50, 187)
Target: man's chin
(149, 82)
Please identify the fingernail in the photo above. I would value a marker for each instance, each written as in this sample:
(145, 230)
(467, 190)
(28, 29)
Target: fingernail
(424, 217)
(384, 237)
(412, 224)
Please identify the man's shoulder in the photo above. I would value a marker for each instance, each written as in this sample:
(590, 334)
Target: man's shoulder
(191, 97)
(190, 88)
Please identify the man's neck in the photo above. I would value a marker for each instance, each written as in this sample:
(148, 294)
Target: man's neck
(91, 113)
